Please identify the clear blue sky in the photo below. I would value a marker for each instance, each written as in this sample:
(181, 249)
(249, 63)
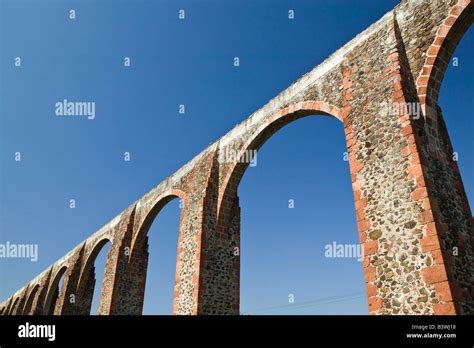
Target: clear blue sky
(187, 62)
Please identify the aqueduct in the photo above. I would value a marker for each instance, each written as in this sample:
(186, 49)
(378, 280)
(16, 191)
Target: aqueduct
(411, 207)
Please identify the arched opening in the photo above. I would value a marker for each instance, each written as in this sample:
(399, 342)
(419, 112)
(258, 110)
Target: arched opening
(440, 52)
(455, 99)
(54, 290)
(297, 207)
(30, 300)
(448, 132)
(90, 283)
(160, 240)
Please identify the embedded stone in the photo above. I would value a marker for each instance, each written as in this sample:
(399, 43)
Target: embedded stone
(375, 234)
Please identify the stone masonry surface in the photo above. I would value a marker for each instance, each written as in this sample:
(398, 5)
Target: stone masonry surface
(413, 216)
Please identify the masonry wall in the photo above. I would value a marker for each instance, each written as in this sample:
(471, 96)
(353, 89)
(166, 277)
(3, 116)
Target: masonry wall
(414, 220)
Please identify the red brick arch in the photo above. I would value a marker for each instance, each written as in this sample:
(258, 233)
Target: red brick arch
(137, 263)
(152, 213)
(90, 258)
(275, 122)
(441, 50)
(396, 159)
(82, 286)
(48, 307)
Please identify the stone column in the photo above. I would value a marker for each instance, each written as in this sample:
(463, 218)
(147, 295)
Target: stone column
(85, 292)
(450, 236)
(115, 275)
(29, 302)
(67, 299)
(133, 292)
(188, 269)
(395, 200)
(37, 308)
(220, 265)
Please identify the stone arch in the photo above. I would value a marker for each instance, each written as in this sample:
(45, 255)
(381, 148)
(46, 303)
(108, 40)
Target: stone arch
(9, 306)
(138, 259)
(53, 292)
(23, 298)
(30, 299)
(439, 54)
(275, 122)
(14, 306)
(86, 283)
(224, 234)
(150, 215)
(453, 221)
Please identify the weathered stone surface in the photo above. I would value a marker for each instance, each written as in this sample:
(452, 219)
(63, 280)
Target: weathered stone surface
(411, 208)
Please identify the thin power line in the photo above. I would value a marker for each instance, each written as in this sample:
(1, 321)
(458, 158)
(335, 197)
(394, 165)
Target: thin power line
(310, 303)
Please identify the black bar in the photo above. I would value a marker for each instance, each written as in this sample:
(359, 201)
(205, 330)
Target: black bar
(140, 330)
